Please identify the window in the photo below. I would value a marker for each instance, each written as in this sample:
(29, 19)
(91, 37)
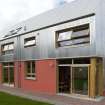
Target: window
(73, 36)
(30, 69)
(7, 48)
(31, 41)
(8, 73)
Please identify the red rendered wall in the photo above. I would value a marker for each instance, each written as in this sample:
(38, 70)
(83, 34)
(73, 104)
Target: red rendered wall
(17, 74)
(45, 77)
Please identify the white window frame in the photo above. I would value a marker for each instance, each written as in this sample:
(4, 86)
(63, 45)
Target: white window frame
(31, 71)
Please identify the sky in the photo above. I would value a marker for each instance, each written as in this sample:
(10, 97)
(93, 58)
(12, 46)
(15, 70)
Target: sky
(14, 11)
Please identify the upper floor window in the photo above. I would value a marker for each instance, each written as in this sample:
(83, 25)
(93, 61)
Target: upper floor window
(30, 69)
(31, 41)
(7, 48)
(73, 36)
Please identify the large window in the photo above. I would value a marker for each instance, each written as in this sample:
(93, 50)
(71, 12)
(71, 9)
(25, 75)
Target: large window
(30, 70)
(7, 48)
(31, 41)
(73, 36)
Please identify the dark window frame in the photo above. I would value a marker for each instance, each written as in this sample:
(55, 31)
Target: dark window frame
(33, 38)
(8, 51)
(74, 40)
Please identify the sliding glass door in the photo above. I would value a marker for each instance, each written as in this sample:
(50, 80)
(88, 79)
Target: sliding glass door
(80, 80)
(73, 79)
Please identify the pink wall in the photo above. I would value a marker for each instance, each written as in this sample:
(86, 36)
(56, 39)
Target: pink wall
(45, 77)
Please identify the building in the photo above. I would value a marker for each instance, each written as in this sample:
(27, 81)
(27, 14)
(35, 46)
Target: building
(61, 51)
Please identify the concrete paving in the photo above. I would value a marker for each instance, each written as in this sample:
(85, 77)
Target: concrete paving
(54, 99)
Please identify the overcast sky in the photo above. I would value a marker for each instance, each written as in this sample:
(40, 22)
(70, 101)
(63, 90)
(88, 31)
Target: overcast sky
(14, 11)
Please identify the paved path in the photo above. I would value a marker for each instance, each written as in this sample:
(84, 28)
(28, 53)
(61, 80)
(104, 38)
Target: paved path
(54, 99)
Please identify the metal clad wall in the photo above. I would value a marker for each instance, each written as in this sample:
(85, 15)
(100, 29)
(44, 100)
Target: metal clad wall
(45, 48)
(9, 57)
(46, 45)
(100, 33)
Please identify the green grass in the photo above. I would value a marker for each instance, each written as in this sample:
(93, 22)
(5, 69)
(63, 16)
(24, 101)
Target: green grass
(7, 99)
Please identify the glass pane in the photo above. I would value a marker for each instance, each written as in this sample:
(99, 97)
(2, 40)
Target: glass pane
(5, 75)
(80, 80)
(33, 67)
(65, 36)
(65, 43)
(80, 33)
(5, 48)
(5, 64)
(31, 42)
(11, 47)
(75, 42)
(28, 75)
(64, 79)
(33, 75)
(11, 71)
(28, 67)
(8, 52)
(11, 64)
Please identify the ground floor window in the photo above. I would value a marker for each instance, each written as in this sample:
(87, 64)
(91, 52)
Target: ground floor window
(30, 70)
(8, 73)
(80, 76)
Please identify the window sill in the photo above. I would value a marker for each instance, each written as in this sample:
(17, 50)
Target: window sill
(30, 78)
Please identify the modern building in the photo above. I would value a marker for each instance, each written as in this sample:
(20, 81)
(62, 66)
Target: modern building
(59, 52)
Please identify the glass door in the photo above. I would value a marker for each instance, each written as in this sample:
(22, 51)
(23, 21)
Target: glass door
(8, 74)
(80, 80)
(11, 78)
(64, 73)
(5, 75)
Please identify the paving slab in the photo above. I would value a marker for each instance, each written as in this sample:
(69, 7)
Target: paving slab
(53, 99)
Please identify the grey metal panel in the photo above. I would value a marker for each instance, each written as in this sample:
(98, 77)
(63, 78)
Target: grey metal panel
(45, 48)
(46, 45)
(100, 33)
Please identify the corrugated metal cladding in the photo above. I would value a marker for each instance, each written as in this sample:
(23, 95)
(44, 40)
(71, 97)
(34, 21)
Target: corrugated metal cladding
(44, 28)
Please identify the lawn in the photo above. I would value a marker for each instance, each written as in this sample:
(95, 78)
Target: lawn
(7, 99)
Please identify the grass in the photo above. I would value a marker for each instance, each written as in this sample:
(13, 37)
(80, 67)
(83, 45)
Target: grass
(7, 99)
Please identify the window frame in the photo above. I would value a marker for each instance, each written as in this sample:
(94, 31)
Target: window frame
(8, 51)
(29, 75)
(57, 33)
(26, 40)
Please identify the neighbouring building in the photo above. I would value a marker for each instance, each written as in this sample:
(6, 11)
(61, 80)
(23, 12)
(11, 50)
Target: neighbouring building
(61, 51)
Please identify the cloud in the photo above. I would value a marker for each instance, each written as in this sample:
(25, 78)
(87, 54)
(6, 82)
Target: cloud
(14, 11)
